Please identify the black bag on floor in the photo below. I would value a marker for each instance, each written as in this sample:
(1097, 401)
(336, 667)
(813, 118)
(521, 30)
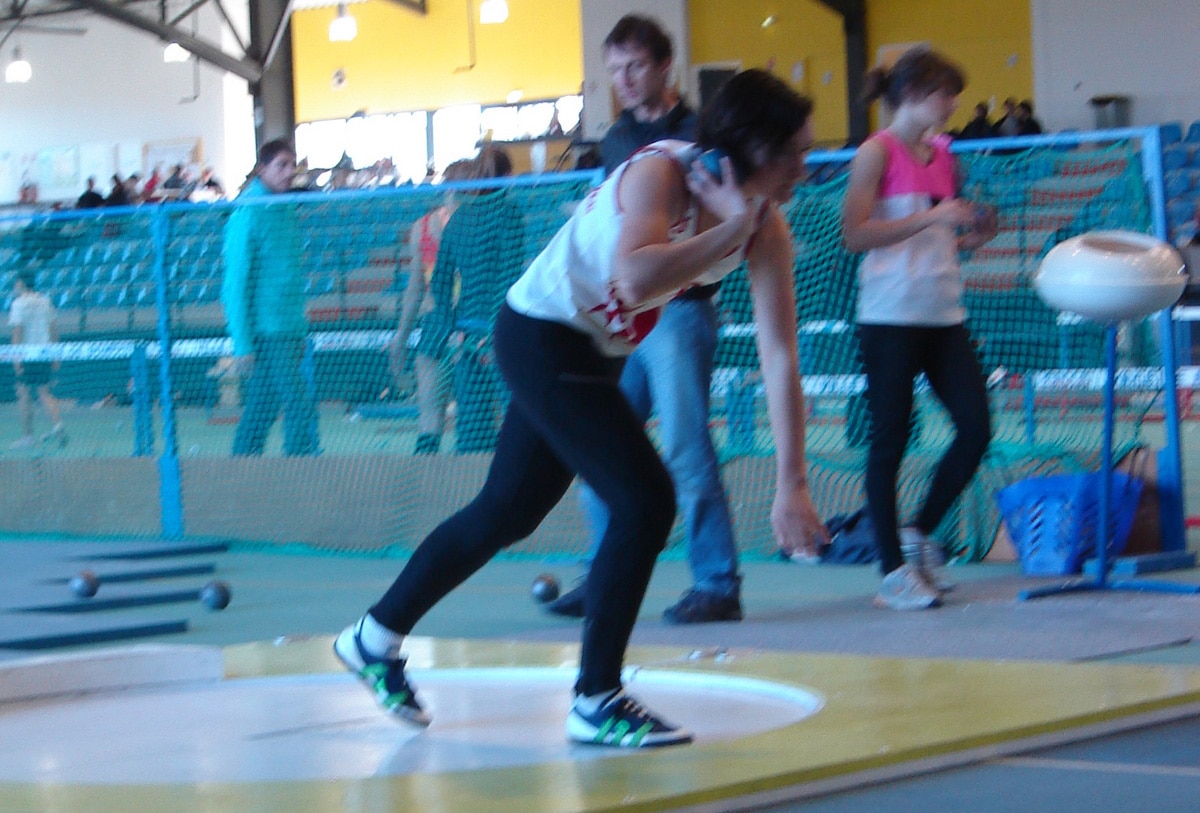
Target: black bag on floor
(851, 540)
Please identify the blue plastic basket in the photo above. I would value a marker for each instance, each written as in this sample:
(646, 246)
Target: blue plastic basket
(1052, 520)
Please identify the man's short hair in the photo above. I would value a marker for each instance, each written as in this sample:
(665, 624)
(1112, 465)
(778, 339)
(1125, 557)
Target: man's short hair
(634, 29)
(28, 278)
(267, 152)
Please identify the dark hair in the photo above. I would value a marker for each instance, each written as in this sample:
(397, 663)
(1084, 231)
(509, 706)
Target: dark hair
(28, 278)
(1026, 105)
(633, 29)
(751, 119)
(494, 162)
(916, 74)
(270, 150)
(464, 169)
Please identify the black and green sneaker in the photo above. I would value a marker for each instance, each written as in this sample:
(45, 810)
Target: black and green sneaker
(622, 722)
(383, 676)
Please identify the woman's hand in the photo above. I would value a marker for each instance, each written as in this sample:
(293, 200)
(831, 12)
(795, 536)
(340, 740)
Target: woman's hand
(952, 212)
(983, 227)
(721, 197)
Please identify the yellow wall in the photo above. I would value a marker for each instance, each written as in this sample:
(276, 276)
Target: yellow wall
(402, 60)
(805, 32)
(982, 36)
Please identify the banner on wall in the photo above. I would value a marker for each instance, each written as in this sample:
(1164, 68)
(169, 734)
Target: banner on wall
(58, 168)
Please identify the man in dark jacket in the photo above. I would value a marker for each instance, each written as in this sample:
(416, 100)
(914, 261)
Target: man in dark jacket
(979, 126)
(671, 370)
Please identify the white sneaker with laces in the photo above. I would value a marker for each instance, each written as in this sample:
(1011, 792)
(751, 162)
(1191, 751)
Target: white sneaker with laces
(621, 722)
(907, 588)
(922, 552)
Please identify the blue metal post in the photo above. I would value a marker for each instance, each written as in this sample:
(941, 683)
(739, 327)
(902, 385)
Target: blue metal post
(1106, 461)
(170, 492)
(1170, 458)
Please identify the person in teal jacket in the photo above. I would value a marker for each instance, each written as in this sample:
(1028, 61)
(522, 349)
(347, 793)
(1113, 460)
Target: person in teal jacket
(263, 295)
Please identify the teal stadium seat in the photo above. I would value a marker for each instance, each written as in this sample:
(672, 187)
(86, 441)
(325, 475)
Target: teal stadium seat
(1180, 212)
(1178, 183)
(1193, 133)
(1175, 156)
(1171, 132)
(66, 299)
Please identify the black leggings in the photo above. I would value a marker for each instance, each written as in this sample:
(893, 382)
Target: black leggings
(893, 355)
(567, 416)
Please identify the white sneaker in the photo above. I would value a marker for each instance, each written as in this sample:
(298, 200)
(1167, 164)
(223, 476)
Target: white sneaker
(907, 588)
(385, 677)
(622, 722)
(927, 555)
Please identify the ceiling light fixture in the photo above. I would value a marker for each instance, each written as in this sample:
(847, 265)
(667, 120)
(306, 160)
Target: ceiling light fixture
(19, 70)
(344, 27)
(493, 11)
(174, 52)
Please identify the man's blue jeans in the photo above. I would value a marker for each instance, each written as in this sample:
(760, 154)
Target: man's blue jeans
(670, 373)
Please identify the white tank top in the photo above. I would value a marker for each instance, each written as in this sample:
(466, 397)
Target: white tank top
(571, 280)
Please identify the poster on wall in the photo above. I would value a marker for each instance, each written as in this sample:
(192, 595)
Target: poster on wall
(58, 173)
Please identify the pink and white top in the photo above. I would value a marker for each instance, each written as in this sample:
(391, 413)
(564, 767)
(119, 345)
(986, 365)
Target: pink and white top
(916, 281)
(571, 280)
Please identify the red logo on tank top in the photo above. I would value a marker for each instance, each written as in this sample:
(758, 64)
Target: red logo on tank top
(622, 323)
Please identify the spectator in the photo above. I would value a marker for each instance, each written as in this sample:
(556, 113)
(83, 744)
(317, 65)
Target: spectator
(151, 185)
(978, 126)
(1026, 123)
(670, 372)
(1007, 124)
(176, 179)
(132, 193)
(90, 199)
(119, 196)
(263, 294)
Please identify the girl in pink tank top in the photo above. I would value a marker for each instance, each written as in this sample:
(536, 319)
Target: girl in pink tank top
(902, 210)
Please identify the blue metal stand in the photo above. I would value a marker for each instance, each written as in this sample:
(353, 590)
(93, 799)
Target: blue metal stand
(1101, 581)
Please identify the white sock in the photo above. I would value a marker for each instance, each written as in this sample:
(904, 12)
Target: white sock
(589, 703)
(377, 639)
